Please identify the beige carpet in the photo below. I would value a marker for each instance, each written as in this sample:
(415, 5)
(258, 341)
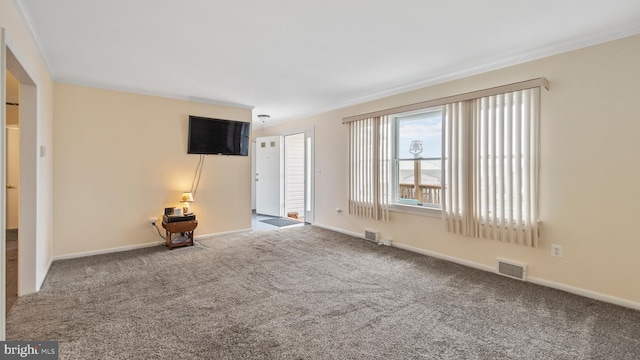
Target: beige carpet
(309, 293)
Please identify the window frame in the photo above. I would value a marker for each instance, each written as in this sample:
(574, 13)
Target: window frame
(395, 205)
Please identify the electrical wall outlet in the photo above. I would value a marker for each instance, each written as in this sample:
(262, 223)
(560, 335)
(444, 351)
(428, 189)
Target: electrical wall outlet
(556, 250)
(152, 221)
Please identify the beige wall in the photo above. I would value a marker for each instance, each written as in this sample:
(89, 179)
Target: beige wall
(121, 158)
(590, 171)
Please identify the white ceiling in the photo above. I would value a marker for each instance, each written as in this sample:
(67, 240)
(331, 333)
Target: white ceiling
(294, 58)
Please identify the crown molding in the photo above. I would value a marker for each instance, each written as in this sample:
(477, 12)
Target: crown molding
(220, 102)
(443, 76)
(457, 73)
(31, 29)
(161, 94)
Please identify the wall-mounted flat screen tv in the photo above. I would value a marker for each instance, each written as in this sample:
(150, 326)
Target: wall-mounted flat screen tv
(218, 136)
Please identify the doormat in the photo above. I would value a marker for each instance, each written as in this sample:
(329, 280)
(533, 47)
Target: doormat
(280, 222)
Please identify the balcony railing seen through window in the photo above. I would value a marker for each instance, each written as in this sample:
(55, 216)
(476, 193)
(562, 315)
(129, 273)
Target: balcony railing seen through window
(419, 181)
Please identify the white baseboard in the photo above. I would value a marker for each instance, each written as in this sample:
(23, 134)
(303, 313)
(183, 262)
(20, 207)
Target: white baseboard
(586, 293)
(136, 246)
(538, 281)
(452, 259)
(107, 251)
(209, 236)
(346, 232)
(44, 277)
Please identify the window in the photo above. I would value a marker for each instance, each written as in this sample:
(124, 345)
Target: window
(417, 158)
(471, 157)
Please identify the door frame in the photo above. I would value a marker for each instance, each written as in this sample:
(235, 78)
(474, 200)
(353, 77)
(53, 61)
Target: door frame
(253, 175)
(309, 202)
(3, 185)
(28, 281)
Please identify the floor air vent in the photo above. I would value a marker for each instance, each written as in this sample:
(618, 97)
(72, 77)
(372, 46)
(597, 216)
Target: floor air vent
(512, 269)
(371, 236)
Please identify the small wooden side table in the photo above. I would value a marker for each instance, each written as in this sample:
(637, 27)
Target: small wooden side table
(179, 227)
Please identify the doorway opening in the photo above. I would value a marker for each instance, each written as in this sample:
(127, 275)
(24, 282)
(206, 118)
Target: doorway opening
(283, 180)
(12, 112)
(294, 179)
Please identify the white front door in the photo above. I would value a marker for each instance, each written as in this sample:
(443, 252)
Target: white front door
(268, 176)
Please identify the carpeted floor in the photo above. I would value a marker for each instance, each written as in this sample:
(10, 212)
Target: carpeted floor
(309, 293)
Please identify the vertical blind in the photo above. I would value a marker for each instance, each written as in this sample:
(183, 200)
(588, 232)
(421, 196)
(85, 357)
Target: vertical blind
(369, 161)
(490, 152)
(490, 167)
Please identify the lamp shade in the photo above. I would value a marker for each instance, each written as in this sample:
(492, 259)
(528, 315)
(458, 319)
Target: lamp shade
(186, 197)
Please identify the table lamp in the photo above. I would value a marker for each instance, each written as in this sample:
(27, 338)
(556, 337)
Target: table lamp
(186, 200)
